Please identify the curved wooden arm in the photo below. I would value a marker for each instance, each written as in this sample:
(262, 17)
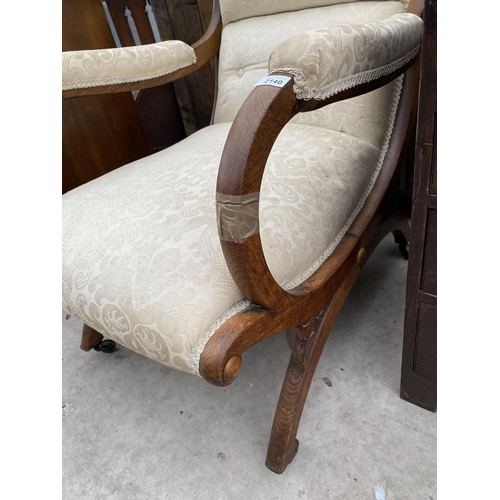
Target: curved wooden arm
(255, 128)
(205, 48)
(223, 352)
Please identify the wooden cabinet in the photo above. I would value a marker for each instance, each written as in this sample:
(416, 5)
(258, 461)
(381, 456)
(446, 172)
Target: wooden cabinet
(419, 364)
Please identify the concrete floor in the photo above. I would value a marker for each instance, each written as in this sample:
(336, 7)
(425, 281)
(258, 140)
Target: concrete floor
(134, 429)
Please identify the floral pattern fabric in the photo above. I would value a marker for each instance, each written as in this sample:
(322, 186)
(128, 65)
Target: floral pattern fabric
(246, 48)
(326, 61)
(141, 252)
(234, 10)
(93, 68)
(142, 261)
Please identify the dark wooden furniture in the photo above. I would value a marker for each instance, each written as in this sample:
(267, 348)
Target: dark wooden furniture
(92, 143)
(309, 310)
(419, 373)
(152, 119)
(193, 95)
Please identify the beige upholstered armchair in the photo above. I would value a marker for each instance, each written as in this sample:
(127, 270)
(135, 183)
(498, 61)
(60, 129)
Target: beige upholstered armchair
(260, 222)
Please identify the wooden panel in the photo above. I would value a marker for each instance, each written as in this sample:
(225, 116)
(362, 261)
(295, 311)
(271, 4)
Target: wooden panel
(84, 26)
(205, 8)
(429, 275)
(433, 187)
(184, 20)
(432, 201)
(160, 117)
(427, 298)
(99, 133)
(418, 369)
(157, 107)
(428, 86)
(425, 363)
(188, 27)
(408, 172)
(167, 32)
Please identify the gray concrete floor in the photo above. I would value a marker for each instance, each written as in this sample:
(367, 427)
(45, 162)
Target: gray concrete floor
(134, 429)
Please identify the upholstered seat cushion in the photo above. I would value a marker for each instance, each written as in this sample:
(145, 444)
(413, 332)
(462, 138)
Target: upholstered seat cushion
(142, 262)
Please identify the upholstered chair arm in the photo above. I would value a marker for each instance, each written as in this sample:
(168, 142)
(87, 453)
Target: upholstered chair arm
(102, 67)
(106, 71)
(347, 61)
(330, 60)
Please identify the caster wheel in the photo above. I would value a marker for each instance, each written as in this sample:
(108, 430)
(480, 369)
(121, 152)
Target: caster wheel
(106, 346)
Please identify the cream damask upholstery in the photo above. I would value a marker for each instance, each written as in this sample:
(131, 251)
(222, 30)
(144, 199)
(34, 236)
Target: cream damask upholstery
(92, 68)
(142, 258)
(234, 10)
(326, 61)
(247, 45)
(142, 262)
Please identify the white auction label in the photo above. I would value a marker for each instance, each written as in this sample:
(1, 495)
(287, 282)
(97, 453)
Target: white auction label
(275, 81)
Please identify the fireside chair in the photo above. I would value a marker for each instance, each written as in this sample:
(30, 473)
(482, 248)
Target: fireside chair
(262, 221)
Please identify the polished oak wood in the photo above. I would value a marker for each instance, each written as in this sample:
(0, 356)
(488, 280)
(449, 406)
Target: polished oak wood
(90, 338)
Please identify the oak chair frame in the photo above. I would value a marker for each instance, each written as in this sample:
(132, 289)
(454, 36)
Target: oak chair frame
(308, 311)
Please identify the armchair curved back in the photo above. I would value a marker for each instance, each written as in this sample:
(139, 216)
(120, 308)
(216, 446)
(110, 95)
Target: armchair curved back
(247, 44)
(234, 10)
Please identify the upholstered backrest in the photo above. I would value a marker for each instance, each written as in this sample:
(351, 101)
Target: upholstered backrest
(248, 42)
(234, 10)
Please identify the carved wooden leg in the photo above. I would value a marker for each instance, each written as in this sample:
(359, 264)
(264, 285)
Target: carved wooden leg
(94, 340)
(306, 342)
(90, 338)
